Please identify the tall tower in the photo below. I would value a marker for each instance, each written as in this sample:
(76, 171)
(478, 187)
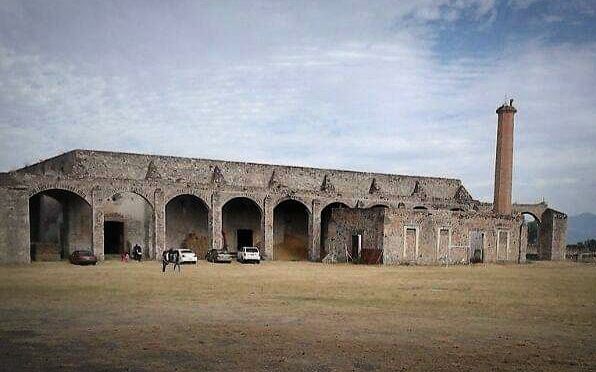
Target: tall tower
(504, 159)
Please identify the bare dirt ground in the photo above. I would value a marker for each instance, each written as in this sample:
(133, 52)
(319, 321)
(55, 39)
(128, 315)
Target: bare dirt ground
(297, 316)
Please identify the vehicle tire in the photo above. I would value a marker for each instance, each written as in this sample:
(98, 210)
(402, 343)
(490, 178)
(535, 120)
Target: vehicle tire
(258, 262)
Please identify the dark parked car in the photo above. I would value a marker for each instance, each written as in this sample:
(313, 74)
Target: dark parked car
(218, 256)
(83, 258)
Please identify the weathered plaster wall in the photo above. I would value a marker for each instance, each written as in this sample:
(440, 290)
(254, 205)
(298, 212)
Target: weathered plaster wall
(425, 236)
(14, 225)
(135, 166)
(345, 223)
(432, 227)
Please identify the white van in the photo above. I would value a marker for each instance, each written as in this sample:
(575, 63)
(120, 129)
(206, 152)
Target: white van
(249, 254)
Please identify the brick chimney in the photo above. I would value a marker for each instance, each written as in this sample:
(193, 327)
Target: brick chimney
(504, 159)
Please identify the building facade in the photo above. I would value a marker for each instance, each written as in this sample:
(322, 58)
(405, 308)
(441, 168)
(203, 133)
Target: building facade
(107, 202)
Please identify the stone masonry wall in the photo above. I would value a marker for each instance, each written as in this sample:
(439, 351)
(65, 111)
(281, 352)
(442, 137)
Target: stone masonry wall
(97, 176)
(345, 223)
(459, 225)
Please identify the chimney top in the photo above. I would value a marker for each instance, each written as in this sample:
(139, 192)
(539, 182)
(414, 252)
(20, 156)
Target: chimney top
(507, 107)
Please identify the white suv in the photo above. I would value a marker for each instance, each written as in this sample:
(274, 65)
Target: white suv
(249, 254)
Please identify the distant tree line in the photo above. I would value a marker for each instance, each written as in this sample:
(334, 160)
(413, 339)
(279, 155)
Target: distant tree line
(582, 247)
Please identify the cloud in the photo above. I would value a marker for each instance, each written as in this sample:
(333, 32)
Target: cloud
(359, 87)
(523, 4)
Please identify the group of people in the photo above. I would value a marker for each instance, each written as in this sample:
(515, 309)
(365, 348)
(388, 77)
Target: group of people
(170, 256)
(137, 254)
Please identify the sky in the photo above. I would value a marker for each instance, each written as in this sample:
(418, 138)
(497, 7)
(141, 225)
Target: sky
(405, 87)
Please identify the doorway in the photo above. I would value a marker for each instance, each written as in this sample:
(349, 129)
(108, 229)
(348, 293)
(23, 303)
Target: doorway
(244, 238)
(476, 247)
(113, 235)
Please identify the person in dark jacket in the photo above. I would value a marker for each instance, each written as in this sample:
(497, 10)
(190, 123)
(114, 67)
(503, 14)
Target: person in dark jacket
(170, 256)
(165, 259)
(175, 259)
(137, 252)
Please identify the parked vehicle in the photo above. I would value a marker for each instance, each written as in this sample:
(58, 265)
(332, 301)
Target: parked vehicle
(249, 254)
(218, 256)
(187, 256)
(82, 257)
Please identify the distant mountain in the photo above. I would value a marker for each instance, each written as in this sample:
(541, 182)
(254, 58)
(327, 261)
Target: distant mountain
(581, 228)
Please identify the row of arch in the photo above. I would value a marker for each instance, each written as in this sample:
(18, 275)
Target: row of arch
(61, 221)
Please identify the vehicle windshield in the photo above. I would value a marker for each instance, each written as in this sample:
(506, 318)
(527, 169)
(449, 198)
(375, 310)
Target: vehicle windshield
(85, 253)
(252, 250)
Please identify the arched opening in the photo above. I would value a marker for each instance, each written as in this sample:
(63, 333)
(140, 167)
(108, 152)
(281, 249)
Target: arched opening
(60, 222)
(290, 231)
(325, 224)
(531, 226)
(457, 210)
(383, 206)
(128, 221)
(420, 208)
(187, 224)
(241, 224)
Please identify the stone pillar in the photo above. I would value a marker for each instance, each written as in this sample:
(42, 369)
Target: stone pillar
(15, 246)
(559, 241)
(523, 242)
(216, 221)
(159, 219)
(314, 249)
(504, 159)
(98, 223)
(552, 235)
(268, 210)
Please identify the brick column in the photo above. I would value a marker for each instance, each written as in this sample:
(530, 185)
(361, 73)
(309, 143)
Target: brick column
(216, 221)
(159, 220)
(268, 227)
(98, 222)
(504, 159)
(314, 232)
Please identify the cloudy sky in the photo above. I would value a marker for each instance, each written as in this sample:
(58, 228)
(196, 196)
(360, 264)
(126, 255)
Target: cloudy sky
(406, 87)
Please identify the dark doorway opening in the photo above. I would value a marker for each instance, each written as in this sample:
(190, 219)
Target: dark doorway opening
(477, 247)
(59, 223)
(113, 233)
(290, 231)
(533, 237)
(244, 238)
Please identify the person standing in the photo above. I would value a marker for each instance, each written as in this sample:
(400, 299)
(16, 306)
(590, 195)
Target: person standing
(176, 259)
(137, 252)
(165, 258)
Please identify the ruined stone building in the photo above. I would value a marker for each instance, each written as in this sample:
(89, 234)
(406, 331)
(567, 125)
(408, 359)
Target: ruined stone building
(108, 202)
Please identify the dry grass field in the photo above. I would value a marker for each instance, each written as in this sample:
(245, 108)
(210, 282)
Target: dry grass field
(297, 316)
